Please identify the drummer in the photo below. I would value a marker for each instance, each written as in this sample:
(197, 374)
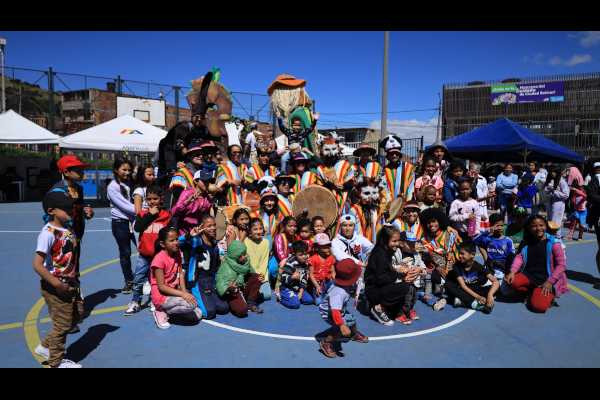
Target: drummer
(399, 175)
(285, 196)
(368, 215)
(299, 170)
(231, 176)
(343, 181)
(261, 169)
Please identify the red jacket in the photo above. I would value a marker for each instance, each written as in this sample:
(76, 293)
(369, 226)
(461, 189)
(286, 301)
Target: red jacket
(149, 232)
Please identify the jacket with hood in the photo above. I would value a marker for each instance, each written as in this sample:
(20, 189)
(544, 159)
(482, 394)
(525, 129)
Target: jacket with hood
(231, 269)
(556, 264)
(357, 248)
(448, 157)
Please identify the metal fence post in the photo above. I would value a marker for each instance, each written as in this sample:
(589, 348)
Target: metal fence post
(50, 126)
(176, 104)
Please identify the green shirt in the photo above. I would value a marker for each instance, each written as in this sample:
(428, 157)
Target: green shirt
(514, 234)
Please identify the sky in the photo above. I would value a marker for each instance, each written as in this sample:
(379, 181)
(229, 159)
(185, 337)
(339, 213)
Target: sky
(343, 70)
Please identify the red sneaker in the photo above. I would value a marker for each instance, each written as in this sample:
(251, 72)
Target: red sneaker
(403, 320)
(359, 337)
(413, 315)
(327, 349)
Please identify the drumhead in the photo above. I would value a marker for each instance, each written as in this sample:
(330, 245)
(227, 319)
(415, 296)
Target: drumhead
(221, 222)
(318, 201)
(395, 208)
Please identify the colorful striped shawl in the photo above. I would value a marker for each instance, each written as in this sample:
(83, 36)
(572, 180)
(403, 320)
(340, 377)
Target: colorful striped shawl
(368, 231)
(307, 179)
(344, 172)
(183, 178)
(438, 242)
(284, 205)
(255, 173)
(226, 171)
(372, 170)
(270, 222)
(400, 180)
(416, 229)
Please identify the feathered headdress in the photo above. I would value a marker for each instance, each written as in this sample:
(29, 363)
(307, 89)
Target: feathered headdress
(330, 146)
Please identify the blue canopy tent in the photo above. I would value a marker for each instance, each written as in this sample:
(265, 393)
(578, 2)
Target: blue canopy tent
(505, 140)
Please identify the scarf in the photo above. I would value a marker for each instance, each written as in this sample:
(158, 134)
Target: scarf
(209, 167)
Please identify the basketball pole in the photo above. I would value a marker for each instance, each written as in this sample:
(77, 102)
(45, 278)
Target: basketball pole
(385, 84)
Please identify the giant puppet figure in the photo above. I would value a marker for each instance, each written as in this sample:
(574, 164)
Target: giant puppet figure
(290, 99)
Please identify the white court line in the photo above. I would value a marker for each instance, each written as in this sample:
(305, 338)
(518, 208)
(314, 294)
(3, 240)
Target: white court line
(90, 230)
(426, 331)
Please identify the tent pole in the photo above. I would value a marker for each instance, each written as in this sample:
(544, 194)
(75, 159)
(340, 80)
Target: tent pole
(97, 176)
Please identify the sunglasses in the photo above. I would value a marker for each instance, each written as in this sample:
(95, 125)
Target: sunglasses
(286, 183)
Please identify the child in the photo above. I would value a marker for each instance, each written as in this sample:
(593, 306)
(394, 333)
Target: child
(464, 210)
(455, 176)
(429, 178)
(429, 196)
(349, 244)
(258, 251)
(143, 179)
(240, 220)
(294, 135)
(303, 229)
(407, 262)
(193, 203)
(321, 268)
(294, 277)
(283, 247)
(469, 289)
(492, 192)
(525, 192)
(169, 294)
(539, 269)
(317, 225)
(147, 223)
(333, 308)
(203, 265)
(515, 230)
(579, 214)
(56, 262)
(497, 250)
(237, 282)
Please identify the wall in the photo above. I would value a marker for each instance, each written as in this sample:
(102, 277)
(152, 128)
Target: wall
(29, 168)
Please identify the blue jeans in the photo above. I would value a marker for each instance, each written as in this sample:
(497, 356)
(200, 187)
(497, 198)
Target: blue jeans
(285, 159)
(289, 297)
(326, 285)
(124, 237)
(141, 275)
(505, 201)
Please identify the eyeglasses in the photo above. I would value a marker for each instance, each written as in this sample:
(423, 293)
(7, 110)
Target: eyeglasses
(286, 183)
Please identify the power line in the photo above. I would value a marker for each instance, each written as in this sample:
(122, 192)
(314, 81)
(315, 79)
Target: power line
(389, 112)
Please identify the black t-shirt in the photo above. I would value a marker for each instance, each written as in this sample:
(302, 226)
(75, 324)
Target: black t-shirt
(475, 276)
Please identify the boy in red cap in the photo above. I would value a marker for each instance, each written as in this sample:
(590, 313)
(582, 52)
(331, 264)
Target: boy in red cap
(333, 308)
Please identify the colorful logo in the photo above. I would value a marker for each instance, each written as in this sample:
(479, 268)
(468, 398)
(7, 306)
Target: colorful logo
(131, 131)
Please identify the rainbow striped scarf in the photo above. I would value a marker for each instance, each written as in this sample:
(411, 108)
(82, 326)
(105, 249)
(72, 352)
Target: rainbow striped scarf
(401, 180)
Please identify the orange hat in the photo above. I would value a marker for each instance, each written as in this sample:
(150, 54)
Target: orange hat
(286, 80)
(70, 161)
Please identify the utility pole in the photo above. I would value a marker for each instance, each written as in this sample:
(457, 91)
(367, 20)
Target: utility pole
(385, 84)
(437, 136)
(2, 44)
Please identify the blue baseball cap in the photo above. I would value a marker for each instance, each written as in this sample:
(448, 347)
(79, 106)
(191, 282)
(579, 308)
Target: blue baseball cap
(408, 236)
(204, 175)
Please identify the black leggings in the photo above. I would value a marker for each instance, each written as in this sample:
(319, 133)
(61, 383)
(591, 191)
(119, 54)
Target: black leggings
(453, 289)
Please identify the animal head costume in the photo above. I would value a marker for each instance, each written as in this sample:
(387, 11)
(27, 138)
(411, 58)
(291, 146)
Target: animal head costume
(264, 141)
(330, 148)
(267, 187)
(209, 99)
(369, 189)
(391, 142)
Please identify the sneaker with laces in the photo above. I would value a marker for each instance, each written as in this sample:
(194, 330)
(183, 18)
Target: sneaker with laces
(152, 308)
(327, 348)
(128, 288)
(68, 364)
(480, 307)
(381, 317)
(403, 319)
(147, 288)
(42, 351)
(359, 337)
(162, 319)
(457, 303)
(133, 308)
(438, 305)
(413, 315)
(254, 308)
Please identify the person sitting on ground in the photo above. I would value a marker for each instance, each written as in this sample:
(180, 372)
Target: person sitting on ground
(407, 262)
(294, 277)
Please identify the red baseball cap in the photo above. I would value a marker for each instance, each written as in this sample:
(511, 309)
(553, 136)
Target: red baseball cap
(70, 161)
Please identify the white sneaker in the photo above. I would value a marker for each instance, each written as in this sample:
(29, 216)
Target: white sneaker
(147, 289)
(133, 308)
(68, 364)
(438, 305)
(162, 320)
(42, 351)
(152, 308)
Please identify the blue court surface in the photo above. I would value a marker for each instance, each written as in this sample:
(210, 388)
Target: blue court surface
(511, 336)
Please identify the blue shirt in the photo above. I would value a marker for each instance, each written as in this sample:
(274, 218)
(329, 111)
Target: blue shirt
(506, 184)
(525, 197)
(498, 249)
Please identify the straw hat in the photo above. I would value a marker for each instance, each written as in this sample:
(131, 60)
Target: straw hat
(287, 80)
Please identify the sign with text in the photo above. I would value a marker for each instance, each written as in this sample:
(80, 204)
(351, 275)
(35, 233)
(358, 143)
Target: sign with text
(518, 93)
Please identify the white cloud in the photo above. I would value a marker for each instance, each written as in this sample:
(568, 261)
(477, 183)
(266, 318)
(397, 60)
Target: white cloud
(576, 59)
(589, 38)
(411, 128)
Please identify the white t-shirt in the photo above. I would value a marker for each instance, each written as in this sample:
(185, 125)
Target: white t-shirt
(142, 192)
(251, 139)
(59, 245)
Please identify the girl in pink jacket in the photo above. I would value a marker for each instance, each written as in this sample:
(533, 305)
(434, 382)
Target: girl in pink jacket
(539, 269)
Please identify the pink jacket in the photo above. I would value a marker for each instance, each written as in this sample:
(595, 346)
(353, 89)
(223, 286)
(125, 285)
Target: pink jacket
(579, 200)
(558, 266)
(189, 215)
(281, 252)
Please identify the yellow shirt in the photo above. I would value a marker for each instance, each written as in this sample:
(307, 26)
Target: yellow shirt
(258, 253)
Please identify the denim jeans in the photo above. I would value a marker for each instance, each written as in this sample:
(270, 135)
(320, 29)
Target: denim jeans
(289, 298)
(141, 275)
(326, 284)
(124, 237)
(505, 201)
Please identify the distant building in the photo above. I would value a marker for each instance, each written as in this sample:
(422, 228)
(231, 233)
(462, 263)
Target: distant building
(562, 108)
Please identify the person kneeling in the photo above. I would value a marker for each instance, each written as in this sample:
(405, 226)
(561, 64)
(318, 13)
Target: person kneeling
(294, 277)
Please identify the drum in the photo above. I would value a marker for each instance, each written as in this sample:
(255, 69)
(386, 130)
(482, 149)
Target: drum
(394, 209)
(385, 197)
(223, 216)
(252, 200)
(318, 201)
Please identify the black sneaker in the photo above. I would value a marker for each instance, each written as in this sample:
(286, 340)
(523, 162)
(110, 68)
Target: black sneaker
(254, 308)
(128, 288)
(381, 317)
(597, 285)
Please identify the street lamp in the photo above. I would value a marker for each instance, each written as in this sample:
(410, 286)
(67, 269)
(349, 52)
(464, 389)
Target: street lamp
(2, 44)
(161, 91)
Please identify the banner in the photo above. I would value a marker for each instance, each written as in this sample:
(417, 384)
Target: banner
(528, 93)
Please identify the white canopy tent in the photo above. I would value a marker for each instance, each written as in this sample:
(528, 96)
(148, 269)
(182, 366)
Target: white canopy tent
(17, 129)
(125, 133)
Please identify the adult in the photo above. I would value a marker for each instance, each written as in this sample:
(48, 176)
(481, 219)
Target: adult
(261, 169)
(231, 176)
(534, 167)
(250, 146)
(269, 214)
(184, 177)
(365, 167)
(399, 175)
(593, 206)
(299, 169)
(558, 193)
(409, 219)
(368, 214)
(505, 183)
(285, 196)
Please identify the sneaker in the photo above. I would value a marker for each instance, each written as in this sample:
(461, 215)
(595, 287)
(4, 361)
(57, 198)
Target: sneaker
(403, 319)
(597, 285)
(133, 308)
(162, 319)
(438, 305)
(480, 307)
(68, 364)
(147, 288)
(254, 308)
(277, 294)
(42, 351)
(327, 348)
(458, 303)
(381, 317)
(359, 337)
(413, 315)
(128, 288)
(74, 329)
(152, 308)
